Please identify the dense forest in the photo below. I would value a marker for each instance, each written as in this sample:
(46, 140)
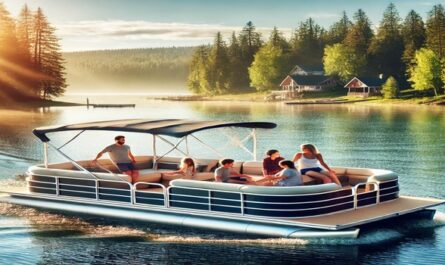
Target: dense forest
(410, 51)
(129, 70)
(31, 65)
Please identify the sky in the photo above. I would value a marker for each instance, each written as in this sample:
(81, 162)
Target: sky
(114, 24)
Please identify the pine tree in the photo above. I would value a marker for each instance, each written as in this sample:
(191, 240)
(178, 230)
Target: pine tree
(435, 30)
(250, 42)
(413, 33)
(236, 66)
(197, 78)
(47, 57)
(386, 48)
(25, 40)
(307, 43)
(218, 76)
(339, 30)
(360, 35)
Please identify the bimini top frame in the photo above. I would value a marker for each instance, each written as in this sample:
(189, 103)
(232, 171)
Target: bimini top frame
(170, 127)
(158, 128)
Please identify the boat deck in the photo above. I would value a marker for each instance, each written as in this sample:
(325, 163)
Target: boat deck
(369, 214)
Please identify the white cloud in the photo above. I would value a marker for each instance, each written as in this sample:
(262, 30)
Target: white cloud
(146, 30)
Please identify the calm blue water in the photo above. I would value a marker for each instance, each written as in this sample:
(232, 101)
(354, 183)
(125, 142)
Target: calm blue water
(409, 140)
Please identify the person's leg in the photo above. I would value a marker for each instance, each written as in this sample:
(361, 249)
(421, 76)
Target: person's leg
(134, 175)
(320, 176)
(332, 176)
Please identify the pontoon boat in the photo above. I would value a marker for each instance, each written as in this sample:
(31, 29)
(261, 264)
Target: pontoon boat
(312, 210)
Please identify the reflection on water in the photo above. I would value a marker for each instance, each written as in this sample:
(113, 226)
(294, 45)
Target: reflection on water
(408, 140)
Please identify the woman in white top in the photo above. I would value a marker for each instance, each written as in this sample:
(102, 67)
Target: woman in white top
(310, 162)
(186, 169)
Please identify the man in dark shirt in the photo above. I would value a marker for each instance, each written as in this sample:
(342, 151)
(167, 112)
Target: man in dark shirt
(271, 163)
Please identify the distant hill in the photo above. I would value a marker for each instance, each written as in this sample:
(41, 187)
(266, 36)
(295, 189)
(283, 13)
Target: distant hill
(129, 70)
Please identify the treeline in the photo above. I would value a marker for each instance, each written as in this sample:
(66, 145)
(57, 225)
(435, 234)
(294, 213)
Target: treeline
(31, 64)
(396, 48)
(128, 65)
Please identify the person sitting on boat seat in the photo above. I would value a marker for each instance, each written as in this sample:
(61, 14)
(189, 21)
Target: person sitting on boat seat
(225, 173)
(186, 169)
(288, 176)
(310, 163)
(271, 163)
(120, 154)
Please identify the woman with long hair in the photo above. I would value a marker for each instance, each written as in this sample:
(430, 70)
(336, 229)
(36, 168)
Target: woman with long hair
(311, 163)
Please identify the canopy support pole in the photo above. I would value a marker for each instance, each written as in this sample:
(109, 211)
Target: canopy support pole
(45, 154)
(208, 146)
(72, 161)
(254, 144)
(187, 150)
(239, 143)
(154, 151)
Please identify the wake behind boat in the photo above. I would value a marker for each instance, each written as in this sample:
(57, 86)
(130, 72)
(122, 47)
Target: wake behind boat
(312, 210)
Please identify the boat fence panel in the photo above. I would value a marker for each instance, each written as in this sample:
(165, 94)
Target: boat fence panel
(233, 202)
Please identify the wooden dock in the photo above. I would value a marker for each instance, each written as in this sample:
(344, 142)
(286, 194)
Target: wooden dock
(112, 105)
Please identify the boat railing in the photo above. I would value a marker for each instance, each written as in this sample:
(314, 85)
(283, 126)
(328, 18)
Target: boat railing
(236, 202)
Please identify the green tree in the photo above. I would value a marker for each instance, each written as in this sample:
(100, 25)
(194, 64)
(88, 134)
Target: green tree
(237, 75)
(413, 33)
(197, 78)
(340, 60)
(360, 35)
(250, 42)
(307, 43)
(339, 30)
(48, 57)
(425, 73)
(218, 73)
(391, 88)
(271, 63)
(387, 47)
(435, 30)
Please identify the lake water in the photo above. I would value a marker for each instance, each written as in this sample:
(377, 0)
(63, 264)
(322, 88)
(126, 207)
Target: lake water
(409, 140)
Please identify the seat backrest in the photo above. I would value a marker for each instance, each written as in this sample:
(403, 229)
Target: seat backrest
(253, 168)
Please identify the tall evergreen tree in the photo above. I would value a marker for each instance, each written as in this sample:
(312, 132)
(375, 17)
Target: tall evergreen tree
(413, 33)
(360, 35)
(387, 47)
(435, 30)
(339, 30)
(307, 43)
(236, 77)
(218, 76)
(250, 42)
(47, 57)
(197, 78)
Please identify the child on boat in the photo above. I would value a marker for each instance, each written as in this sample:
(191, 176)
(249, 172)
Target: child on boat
(186, 169)
(288, 176)
(225, 173)
(310, 162)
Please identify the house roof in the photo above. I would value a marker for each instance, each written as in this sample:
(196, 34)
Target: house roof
(309, 68)
(369, 81)
(307, 80)
(170, 127)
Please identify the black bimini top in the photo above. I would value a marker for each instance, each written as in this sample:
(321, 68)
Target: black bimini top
(170, 127)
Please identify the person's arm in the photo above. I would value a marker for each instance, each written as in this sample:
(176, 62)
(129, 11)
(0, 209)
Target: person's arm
(264, 168)
(296, 157)
(100, 155)
(131, 156)
(320, 158)
(236, 174)
(218, 178)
